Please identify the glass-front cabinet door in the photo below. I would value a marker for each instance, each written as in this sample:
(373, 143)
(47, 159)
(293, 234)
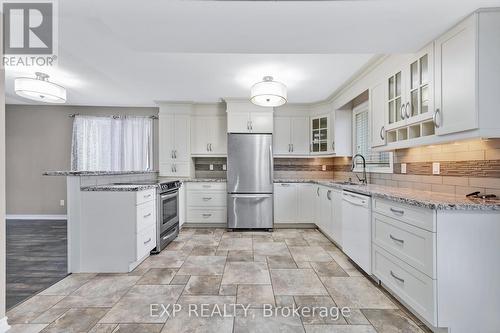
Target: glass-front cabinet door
(395, 104)
(319, 134)
(420, 87)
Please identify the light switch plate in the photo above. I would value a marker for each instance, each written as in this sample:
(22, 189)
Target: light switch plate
(211, 167)
(436, 168)
(403, 167)
(61, 203)
(224, 167)
(323, 167)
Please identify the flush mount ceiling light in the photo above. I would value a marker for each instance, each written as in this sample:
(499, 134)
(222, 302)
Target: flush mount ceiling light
(268, 93)
(40, 89)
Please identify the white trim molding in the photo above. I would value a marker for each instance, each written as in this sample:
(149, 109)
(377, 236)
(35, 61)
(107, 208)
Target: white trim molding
(36, 217)
(4, 326)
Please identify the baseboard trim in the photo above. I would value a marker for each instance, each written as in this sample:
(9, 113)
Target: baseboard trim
(35, 217)
(4, 326)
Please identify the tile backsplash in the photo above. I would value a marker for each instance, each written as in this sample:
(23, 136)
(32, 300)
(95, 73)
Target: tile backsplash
(284, 168)
(465, 167)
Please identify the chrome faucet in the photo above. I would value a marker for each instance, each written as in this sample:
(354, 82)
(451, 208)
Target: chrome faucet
(364, 179)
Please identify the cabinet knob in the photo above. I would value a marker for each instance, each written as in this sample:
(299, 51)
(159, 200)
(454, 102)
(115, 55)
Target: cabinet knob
(408, 110)
(382, 130)
(402, 111)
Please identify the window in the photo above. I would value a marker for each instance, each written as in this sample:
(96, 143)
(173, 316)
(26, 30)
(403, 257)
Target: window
(112, 144)
(375, 161)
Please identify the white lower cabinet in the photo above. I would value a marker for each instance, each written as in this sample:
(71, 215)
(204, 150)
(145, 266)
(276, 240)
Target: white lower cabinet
(404, 255)
(293, 203)
(206, 203)
(116, 232)
(415, 288)
(336, 221)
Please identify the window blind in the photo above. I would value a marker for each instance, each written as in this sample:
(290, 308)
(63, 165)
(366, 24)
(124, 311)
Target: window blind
(373, 158)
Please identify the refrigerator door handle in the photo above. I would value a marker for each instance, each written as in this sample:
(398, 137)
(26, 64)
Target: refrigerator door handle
(271, 167)
(250, 196)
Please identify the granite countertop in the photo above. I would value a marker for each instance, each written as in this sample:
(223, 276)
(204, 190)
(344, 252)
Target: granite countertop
(425, 199)
(94, 173)
(199, 180)
(119, 187)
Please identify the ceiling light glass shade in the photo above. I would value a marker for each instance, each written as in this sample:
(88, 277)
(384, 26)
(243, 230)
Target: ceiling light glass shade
(268, 93)
(39, 89)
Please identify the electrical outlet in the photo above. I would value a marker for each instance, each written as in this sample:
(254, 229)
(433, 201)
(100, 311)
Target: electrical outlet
(323, 167)
(224, 167)
(61, 203)
(436, 168)
(211, 167)
(403, 167)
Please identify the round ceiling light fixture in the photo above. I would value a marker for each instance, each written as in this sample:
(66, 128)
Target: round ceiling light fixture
(40, 89)
(268, 93)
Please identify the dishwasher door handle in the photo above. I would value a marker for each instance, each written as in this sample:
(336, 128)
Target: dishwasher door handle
(355, 200)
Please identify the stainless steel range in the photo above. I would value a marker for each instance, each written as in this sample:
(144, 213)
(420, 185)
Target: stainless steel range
(167, 226)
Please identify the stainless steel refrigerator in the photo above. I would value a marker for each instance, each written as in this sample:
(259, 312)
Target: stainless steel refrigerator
(250, 181)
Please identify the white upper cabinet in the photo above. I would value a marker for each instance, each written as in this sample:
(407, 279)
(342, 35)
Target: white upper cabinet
(377, 114)
(321, 142)
(291, 135)
(419, 86)
(208, 135)
(174, 141)
(456, 108)
(245, 117)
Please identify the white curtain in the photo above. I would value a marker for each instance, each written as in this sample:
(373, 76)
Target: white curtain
(112, 144)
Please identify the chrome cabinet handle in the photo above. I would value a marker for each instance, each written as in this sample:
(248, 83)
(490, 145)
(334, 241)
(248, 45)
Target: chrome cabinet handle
(172, 154)
(317, 191)
(206, 215)
(333, 145)
(147, 215)
(251, 125)
(397, 277)
(397, 211)
(285, 184)
(289, 148)
(211, 147)
(149, 240)
(396, 239)
(328, 195)
(382, 129)
(434, 118)
(207, 198)
(208, 149)
(402, 112)
(292, 148)
(408, 111)
(248, 125)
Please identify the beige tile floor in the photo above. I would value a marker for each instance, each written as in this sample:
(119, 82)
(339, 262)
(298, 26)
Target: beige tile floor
(217, 268)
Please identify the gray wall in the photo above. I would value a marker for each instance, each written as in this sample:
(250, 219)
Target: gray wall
(38, 139)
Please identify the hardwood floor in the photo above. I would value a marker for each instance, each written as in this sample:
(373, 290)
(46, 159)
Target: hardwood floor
(36, 257)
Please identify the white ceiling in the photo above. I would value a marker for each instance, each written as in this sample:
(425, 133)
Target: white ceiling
(132, 53)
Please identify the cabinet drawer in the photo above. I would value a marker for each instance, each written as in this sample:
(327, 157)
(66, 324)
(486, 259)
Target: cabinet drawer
(206, 199)
(146, 241)
(420, 217)
(206, 215)
(145, 196)
(417, 290)
(412, 245)
(208, 186)
(146, 215)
